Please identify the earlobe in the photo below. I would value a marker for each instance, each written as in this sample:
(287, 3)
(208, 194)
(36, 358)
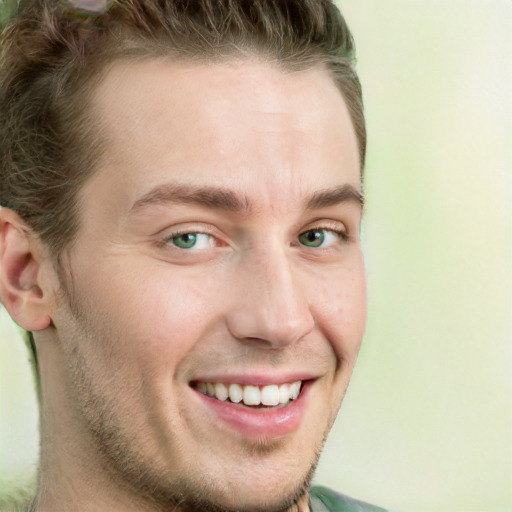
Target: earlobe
(21, 290)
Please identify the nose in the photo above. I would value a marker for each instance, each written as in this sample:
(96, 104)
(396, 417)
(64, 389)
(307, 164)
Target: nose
(270, 306)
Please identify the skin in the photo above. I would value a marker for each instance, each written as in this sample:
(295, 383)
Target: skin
(129, 321)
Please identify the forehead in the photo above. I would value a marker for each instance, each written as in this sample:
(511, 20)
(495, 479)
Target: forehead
(240, 123)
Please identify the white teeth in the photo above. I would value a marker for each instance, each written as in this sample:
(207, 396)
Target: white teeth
(221, 391)
(284, 393)
(252, 395)
(270, 395)
(294, 390)
(235, 393)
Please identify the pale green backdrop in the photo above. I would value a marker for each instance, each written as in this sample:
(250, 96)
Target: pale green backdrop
(427, 423)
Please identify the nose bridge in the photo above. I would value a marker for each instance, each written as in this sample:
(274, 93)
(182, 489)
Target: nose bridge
(271, 305)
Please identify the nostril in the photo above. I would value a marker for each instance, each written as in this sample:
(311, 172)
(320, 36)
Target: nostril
(271, 320)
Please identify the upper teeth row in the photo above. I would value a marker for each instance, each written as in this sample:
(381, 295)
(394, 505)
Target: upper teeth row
(251, 395)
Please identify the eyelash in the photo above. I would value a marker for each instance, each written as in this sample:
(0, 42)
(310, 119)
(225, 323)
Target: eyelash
(167, 240)
(341, 233)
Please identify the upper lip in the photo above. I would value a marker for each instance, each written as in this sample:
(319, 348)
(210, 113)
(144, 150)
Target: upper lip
(258, 379)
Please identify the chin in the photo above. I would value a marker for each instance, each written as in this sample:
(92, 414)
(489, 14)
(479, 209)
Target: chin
(272, 485)
(278, 490)
(243, 499)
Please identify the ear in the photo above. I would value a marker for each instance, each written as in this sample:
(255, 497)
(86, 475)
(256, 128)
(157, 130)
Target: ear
(21, 258)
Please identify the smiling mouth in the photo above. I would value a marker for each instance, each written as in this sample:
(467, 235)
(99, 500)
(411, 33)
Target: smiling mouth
(254, 396)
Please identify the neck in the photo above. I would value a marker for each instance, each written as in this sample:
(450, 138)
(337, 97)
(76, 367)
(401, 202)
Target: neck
(63, 495)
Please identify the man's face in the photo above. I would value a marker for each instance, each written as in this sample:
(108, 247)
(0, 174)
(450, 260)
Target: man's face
(218, 254)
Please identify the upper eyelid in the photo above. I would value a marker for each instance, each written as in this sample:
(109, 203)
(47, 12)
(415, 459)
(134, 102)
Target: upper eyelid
(330, 225)
(172, 232)
(192, 227)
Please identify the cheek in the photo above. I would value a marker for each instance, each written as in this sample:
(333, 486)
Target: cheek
(164, 316)
(341, 308)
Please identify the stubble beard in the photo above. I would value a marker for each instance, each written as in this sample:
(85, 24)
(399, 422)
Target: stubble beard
(129, 469)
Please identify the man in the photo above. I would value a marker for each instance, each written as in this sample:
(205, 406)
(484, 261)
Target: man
(181, 205)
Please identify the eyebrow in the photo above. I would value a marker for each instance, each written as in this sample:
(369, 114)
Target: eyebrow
(334, 196)
(219, 198)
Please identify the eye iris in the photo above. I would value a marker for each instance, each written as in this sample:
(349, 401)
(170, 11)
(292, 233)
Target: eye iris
(312, 238)
(185, 241)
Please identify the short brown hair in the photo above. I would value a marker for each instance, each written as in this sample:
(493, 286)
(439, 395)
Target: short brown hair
(51, 57)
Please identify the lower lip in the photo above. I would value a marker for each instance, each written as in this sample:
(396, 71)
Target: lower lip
(260, 423)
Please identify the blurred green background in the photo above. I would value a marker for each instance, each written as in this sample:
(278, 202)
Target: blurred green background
(427, 423)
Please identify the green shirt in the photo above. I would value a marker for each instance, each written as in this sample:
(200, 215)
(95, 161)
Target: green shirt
(323, 499)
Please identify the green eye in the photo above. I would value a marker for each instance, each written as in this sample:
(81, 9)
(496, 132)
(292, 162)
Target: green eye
(193, 241)
(185, 241)
(312, 238)
(322, 238)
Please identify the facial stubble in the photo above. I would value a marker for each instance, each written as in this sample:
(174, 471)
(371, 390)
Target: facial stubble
(118, 450)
